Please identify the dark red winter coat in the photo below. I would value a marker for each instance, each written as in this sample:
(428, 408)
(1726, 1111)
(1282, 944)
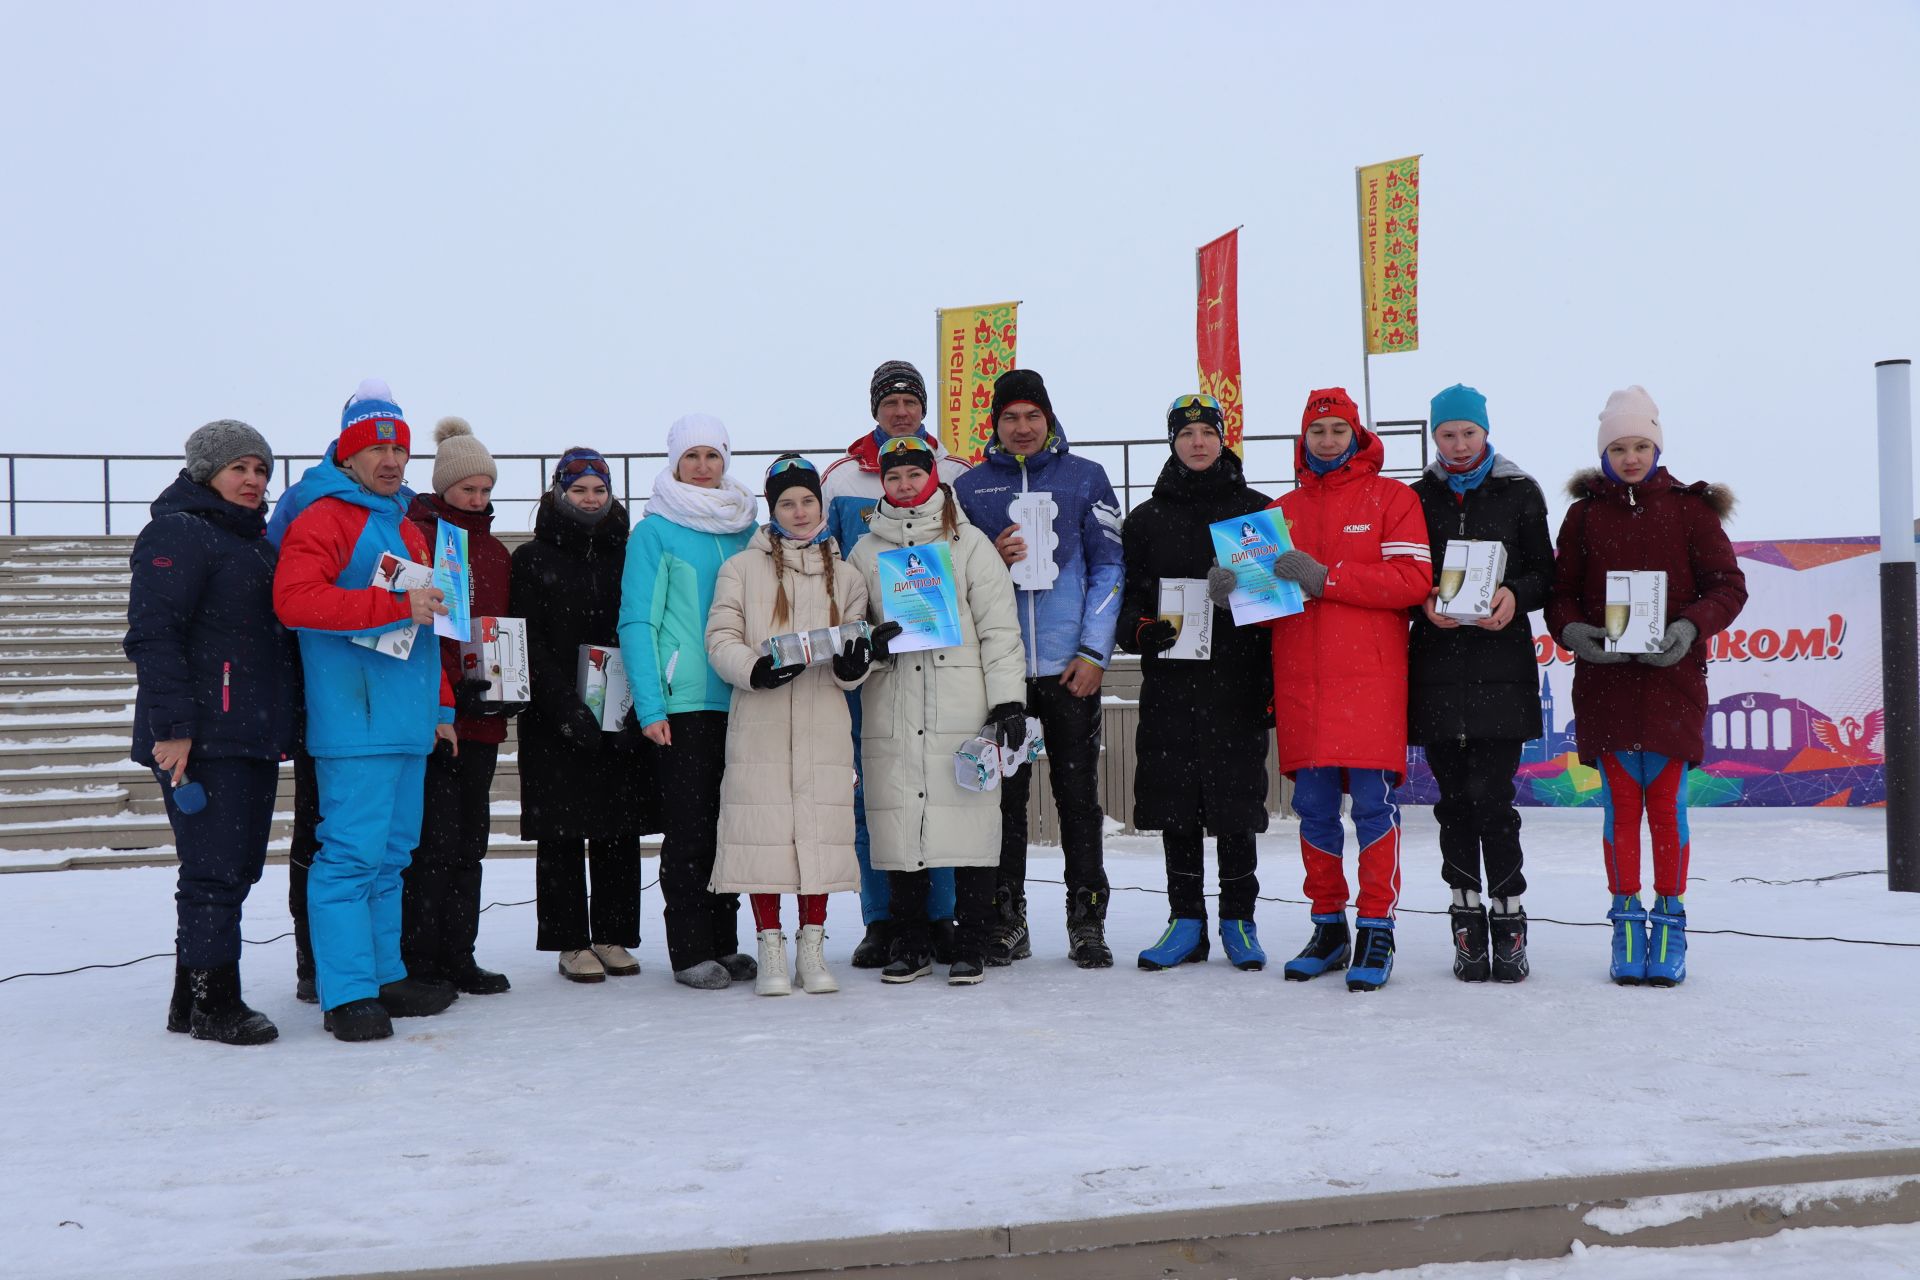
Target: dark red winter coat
(1340, 668)
(1656, 524)
(490, 570)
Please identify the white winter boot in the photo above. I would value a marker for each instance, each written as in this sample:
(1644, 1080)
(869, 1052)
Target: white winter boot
(810, 961)
(772, 979)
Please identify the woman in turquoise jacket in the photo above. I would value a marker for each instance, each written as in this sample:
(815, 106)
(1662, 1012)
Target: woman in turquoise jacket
(697, 517)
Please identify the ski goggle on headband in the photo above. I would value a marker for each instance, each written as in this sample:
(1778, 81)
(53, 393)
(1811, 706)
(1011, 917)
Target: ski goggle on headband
(790, 462)
(905, 444)
(1196, 401)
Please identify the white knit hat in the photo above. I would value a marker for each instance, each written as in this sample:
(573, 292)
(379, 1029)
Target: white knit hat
(691, 432)
(1631, 413)
(458, 455)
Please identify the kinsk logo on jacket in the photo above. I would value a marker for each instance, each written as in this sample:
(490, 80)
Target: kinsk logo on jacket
(1358, 528)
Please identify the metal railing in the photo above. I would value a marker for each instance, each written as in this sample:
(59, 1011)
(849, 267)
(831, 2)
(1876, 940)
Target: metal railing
(1269, 466)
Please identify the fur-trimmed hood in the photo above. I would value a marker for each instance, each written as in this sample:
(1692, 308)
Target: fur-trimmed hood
(1592, 482)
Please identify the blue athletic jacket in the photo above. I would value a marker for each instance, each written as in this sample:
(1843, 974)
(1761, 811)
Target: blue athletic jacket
(1076, 617)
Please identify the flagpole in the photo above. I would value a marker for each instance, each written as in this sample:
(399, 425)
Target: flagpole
(1360, 235)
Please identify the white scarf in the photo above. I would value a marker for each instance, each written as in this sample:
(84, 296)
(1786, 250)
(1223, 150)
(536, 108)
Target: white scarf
(728, 509)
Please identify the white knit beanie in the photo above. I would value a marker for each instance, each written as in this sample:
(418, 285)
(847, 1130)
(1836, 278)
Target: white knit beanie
(458, 455)
(692, 431)
(1631, 413)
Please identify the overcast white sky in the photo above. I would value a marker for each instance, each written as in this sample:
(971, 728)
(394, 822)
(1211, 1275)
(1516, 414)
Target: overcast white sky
(572, 223)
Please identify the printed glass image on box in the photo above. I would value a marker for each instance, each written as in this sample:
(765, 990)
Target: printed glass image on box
(396, 574)
(498, 655)
(1636, 618)
(979, 763)
(1470, 574)
(602, 681)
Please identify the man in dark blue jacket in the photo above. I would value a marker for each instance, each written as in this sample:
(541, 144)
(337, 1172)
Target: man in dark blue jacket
(1068, 631)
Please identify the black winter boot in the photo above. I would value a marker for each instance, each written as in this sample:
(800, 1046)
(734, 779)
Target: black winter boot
(942, 935)
(304, 988)
(1470, 961)
(180, 1008)
(1509, 933)
(1087, 930)
(469, 979)
(414, 998)
(358, 1020)
(1008, 939)
(912, 953)
(872, 951)
(220, 1014)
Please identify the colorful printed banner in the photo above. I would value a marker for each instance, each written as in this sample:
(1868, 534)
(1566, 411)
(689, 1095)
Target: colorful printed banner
(1794, 714)
(1248, 545)
(1217, 328)
(917, 591)
(975, 346)
(1389, 207)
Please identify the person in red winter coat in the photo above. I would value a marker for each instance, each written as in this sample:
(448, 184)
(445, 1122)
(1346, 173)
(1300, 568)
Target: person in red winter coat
(1641, 718)
(1340, 677)
(440, 904)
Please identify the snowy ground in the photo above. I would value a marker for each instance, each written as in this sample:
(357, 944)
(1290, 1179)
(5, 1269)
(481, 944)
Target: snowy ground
(1844, 1253)
(564, 1120)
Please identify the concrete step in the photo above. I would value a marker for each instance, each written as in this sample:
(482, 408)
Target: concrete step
(62, 664)
(116, 697)
(61, 646)
(101, 749)
(91, 609)
(101, 624)
(57, 804)
(125, 830)
(60, 727)
(41, 592)
(80, 858)
(56, 685)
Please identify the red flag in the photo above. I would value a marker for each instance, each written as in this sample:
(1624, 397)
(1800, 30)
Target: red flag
(1217, 329)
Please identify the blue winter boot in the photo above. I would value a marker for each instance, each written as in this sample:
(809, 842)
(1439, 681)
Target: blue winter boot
(1629, 967)
(1243, 945)
(1372, 954)
(1667, 947)
(1325, 951)
(1184, 942)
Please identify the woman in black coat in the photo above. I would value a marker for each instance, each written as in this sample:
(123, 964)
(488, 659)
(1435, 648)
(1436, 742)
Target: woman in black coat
(213, 714)
(583, 791)
(1200, 756)
(1474, 700)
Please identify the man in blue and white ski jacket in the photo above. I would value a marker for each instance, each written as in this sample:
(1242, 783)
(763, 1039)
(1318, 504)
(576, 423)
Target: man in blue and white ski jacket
(1068, 634)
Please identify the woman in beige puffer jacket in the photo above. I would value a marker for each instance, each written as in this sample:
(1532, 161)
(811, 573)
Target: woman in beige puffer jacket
(786, 798)
(918, 708)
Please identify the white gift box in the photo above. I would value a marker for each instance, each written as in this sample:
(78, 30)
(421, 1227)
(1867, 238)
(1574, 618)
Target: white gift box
(1636, 617)
(1470, 574)
(498, 655)
(602, 681)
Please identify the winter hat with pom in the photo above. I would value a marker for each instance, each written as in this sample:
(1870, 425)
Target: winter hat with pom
(458, 455)
(371, 417)
(218, 444)
(1631, 412)
(893, 378)
(694, 431)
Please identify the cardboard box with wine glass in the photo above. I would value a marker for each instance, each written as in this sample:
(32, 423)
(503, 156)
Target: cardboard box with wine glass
(1636, 617)
(1469, 575)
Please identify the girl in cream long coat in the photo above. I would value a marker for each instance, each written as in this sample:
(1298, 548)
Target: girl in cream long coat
(786, 798)
(918, 708)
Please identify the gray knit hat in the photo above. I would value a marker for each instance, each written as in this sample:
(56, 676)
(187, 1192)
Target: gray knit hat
(458, 455)
(219, 443)
(895, 377)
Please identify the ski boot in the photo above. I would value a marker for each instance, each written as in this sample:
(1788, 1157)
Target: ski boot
(1008, 940)
(1087, 930)
(1470, 960)
(1184, 942)
(1667, 947)
(1325, 951)
(1372, 954)
(1242, 945)
(1509, 944)
(1629, 967)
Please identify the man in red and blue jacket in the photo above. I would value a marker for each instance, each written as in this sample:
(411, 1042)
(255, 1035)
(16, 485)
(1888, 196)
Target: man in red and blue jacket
(372, 719)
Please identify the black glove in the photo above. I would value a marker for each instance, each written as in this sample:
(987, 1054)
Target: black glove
(884, 635)
(1008, 724)
(578, 725)
(1155, 635)
(1674, 645)
(508, 710)
(1589, 643)
(767, 676)
(851, 662)
(470, 698)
